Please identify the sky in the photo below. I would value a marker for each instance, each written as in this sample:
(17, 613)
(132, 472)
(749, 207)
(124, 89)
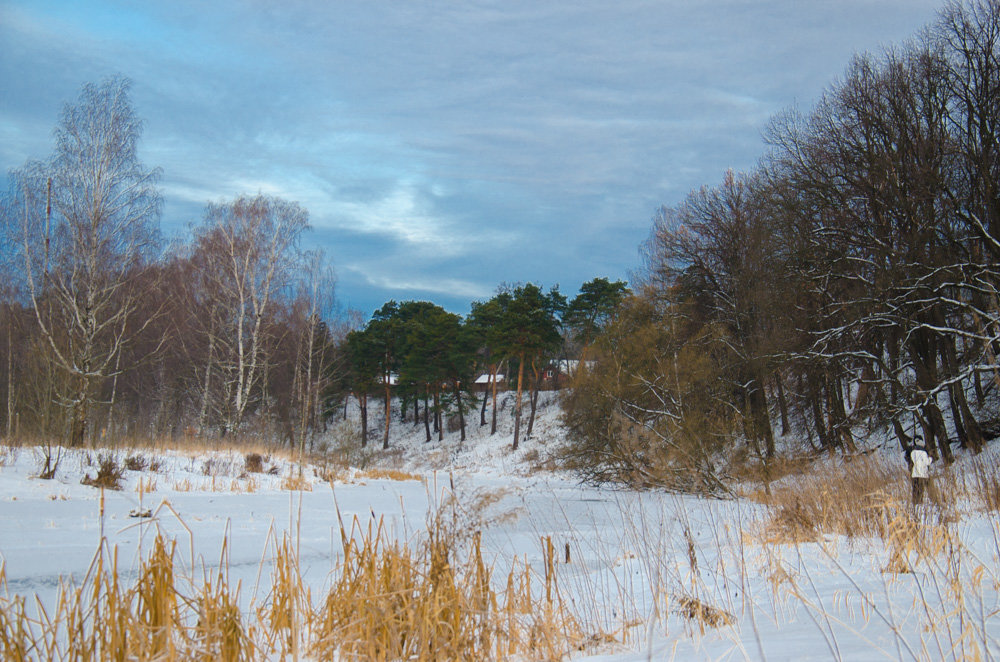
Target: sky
(442, 148)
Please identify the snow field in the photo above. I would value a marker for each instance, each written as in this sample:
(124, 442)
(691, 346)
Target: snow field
(650, 575)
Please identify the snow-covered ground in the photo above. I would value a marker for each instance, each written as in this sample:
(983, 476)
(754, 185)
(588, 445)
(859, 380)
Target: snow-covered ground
(636, 558)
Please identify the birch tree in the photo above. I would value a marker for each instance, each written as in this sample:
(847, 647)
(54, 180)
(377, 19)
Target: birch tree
(89, 224)
(246, 250)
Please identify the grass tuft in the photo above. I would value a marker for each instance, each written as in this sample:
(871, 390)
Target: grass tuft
(110, 473)
(389, 600)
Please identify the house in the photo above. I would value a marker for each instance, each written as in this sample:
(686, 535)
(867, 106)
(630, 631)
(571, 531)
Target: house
(484, 382)
(558, 373)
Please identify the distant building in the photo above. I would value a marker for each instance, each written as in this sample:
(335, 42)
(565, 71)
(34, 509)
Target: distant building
(558, 373)
(484, 382)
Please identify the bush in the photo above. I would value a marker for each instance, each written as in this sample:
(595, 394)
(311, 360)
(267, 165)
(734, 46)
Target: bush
(649, 408)
(253, 463)
(110, 474)
(136, 463)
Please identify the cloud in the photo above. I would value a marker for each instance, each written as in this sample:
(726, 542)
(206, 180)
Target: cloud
(442, 146)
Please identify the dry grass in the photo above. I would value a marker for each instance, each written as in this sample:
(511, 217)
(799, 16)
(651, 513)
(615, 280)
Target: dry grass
(146, 485)
(390, 600)
(986, 485)
(861, 498)
(136, 462)
(110, 473)
(703, 614)
(388, 474)
(297, 481)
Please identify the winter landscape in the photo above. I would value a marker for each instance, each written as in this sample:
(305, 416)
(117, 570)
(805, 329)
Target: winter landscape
(649, 574)
(280, 378)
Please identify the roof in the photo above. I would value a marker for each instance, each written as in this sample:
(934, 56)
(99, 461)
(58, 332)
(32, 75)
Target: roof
(485, 378)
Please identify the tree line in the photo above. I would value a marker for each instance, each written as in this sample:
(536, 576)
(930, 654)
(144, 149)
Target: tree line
(109, 332)
(847, 284)
(426, 358)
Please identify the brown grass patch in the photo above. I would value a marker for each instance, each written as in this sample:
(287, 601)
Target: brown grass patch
(986, 485)
(704, 614)
(390, 600)
(253, 463)
(136, 462)
(389, 474)
(854, 499)
(297, 481)
(109, 474)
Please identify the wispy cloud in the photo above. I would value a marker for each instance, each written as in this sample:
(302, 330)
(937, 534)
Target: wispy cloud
(442, 146)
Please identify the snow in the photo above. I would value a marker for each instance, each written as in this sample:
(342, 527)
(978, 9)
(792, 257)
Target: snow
(631, 562)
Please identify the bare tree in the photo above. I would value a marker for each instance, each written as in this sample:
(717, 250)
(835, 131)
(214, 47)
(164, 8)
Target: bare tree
(246, 250)
(316, 293)
(89, 224)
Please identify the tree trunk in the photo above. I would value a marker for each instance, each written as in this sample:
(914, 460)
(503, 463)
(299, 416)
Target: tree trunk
(782, 403)
(78, 427)
(363, 405)
(533, 398)
(921, 350)
(203, 414)
(438, 414)
(517, 402)
(427, 414)
(482, 409)
(461, 414)
(493, 382)
(10, 383)
(936, 432)
(815, 400)
(388, 412)
(759, 417)
(843, 422)
(966, 425)
(905, 440)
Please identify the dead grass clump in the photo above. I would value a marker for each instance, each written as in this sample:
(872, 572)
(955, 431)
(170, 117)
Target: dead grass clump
(394, 602)
(253, 463)
(146, 485)
(912, 540)
(136, 462)
(296, 481)
(792, 522)
(110, 473)
(390, 600)
(775, 469)
(220, 626)
(389, 474)
(986, 485)
(538, 462)
(106, 620)
(704, 614)
(855, 499)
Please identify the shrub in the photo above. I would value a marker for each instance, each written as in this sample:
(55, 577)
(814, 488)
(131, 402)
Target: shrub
(136, 462)
(49, 462)
(110, 474)
(253, 463)
(649, 409)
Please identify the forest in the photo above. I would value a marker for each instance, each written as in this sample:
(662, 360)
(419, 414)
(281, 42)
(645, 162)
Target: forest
(112, 335)
(848, 284)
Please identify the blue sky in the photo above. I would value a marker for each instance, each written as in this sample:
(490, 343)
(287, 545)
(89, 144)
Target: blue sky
(442, 148)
